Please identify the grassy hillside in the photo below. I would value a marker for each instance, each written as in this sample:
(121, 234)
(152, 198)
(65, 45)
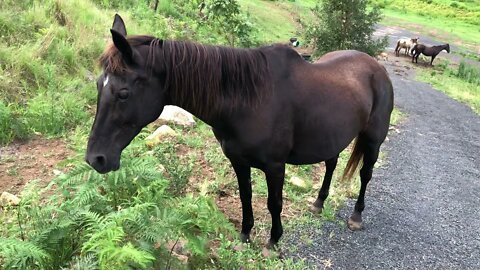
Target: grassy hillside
(277, 21)
(452, 21)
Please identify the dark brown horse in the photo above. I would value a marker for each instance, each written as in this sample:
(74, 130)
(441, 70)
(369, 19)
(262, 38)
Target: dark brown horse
(267, 107)
(428, 51)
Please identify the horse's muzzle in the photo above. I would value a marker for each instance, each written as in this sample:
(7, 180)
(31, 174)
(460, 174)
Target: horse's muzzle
(101, 163)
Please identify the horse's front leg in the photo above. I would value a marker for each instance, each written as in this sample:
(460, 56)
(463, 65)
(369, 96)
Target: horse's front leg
(245, 188)
(275, 174)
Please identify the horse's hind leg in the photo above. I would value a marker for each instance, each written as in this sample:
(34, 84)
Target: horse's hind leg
(370, 156)
(330, 166)
(369, 142)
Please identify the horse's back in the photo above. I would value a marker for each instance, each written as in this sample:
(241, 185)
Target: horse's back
(333, 102)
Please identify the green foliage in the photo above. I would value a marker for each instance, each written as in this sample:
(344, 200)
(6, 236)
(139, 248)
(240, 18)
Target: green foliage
(464, 11)
(10, 126)
(228, 18)
(345, 24)
(469, 73)
(48, 52)
(179, 170)
(460, 83)
(116, 221)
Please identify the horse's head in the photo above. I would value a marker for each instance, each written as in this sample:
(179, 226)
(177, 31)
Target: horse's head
(447, 47)
(129, 98)
(414, 40)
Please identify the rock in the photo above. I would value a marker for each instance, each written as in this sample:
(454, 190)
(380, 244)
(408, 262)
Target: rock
(382, 56)
(297, 181)
(161, 133)
(9, 199)
(176, 115)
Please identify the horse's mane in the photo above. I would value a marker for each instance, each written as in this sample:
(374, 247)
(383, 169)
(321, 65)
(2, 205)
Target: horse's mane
(200, 77)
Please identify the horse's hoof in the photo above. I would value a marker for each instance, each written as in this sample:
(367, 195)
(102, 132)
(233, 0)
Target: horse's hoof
(316, 210)
(245, 238)
(271, 245)
(354, 225)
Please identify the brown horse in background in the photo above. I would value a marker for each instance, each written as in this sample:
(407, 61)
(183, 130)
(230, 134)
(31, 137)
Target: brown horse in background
(267, 107)
(428, 51)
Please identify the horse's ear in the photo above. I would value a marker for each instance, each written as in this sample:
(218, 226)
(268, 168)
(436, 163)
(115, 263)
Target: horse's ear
(122, 45)
(119, 25)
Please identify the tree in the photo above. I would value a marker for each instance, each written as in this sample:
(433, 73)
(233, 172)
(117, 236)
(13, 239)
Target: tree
(344, 24)
(229, 19)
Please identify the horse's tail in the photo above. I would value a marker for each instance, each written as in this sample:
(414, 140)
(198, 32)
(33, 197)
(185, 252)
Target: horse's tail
(355, 158)
(398, 45)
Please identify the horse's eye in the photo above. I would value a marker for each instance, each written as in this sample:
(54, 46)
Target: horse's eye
(123, 95)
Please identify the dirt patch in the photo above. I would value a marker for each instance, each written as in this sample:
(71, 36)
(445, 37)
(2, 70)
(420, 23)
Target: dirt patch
(36, 159)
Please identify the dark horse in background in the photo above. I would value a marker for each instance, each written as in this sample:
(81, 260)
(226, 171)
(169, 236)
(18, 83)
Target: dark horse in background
(266, 106)
(428, 51)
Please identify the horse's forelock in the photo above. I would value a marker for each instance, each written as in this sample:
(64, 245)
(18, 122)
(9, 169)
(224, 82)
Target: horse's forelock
(111, 59)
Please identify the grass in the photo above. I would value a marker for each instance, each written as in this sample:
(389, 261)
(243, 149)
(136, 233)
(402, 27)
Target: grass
(274, 24)
(447, 30)
(449, 21)
(459, 82)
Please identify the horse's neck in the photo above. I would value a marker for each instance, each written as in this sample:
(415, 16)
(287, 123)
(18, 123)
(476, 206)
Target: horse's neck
(213, 80)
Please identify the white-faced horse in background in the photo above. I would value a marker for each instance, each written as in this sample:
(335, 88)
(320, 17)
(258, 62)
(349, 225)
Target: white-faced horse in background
(405, 43)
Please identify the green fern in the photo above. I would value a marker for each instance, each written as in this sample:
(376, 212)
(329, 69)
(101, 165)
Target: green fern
(22, 255)
(88, 261)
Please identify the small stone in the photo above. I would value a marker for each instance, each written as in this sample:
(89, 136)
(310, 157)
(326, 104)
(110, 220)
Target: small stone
(297, 181)
(9, 199)
(161, 133)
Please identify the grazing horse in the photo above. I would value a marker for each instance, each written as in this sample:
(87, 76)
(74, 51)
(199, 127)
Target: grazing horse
(266, 106)
(428, 51)
(405, 43)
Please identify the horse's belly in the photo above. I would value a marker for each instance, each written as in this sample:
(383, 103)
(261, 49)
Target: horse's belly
(313, 144)
(315, 152)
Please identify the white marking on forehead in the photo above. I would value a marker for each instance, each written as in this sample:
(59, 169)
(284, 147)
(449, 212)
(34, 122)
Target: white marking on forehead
(105, 81)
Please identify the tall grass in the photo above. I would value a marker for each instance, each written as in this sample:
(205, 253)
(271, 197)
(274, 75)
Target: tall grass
(461, 83)
(469, 73)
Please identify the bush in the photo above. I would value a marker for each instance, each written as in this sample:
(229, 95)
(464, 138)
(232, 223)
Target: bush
(345, 24)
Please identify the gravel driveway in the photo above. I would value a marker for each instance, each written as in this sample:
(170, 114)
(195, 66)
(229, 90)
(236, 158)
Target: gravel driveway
(422, 206)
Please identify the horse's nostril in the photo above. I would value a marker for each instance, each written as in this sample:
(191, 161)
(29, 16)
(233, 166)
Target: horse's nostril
(100, 160)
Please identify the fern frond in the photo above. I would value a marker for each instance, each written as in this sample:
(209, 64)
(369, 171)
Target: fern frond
(19, 254)
(88, 261)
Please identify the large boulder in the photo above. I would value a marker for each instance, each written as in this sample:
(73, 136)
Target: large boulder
(176, 115)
